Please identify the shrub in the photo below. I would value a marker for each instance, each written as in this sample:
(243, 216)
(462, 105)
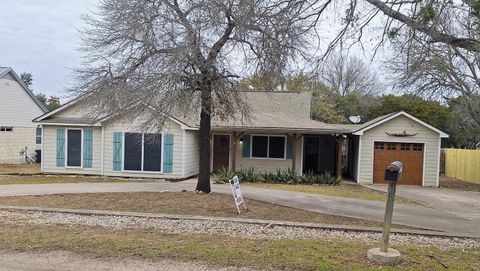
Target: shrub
(289, 176)
(267, 176)
(223, 175)
(247, 175)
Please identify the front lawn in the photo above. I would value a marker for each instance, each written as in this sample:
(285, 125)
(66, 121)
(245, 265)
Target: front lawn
(342, 190)
(183, 203)
(289, 254)
(19, 168)
(46, 179)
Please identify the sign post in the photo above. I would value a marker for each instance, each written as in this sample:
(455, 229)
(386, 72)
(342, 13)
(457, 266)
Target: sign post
(385, 255)
(237, 193)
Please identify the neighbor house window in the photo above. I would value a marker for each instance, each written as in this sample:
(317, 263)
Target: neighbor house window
(268, 147)
(38, 136)
(74, 148)
(6, 129)
(143, 152)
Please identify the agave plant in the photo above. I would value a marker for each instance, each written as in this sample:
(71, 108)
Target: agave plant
(223, 175)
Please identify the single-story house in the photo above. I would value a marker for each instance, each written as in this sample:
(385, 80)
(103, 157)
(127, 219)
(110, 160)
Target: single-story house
(19, 136)
(280, 134)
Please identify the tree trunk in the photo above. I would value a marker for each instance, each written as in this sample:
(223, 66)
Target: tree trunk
(203, 183)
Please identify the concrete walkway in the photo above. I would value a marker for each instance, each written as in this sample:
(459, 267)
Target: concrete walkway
(421, 217)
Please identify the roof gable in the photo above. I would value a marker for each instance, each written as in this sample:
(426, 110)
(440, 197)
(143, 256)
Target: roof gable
(383, 119)
(5, 71)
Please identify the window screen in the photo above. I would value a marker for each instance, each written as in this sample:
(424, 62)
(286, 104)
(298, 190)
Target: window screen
(133, 152)
(74, 148)
(152, 152)
(276, 147)
(260, 146)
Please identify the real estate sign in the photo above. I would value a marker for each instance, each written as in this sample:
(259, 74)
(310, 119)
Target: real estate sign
(237, 193)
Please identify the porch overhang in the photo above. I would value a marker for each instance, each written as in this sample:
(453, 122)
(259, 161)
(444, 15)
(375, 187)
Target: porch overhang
(281, 130)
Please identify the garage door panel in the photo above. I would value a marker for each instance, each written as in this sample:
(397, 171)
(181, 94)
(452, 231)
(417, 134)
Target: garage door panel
(411, 155)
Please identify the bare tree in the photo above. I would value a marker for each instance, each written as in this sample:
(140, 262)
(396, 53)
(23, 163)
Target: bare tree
(173, 56)
(437, 40)
(345, 75)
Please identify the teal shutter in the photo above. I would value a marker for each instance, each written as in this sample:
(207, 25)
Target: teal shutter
(168, 153)
(246, 146)
(87, 148)
(117, 151)
(60, 147)
(289, 148)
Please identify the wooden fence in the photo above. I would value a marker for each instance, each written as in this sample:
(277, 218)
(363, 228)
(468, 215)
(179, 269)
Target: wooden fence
(463, 164)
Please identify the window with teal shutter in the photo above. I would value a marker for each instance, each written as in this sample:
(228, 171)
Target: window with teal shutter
(117, 151)
(168, 153)
(87, 148)
(289, 148)
(246, 146)
(60, 147)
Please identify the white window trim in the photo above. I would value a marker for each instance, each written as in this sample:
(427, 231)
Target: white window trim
(142, 158)
(66, 147)
(268, 147)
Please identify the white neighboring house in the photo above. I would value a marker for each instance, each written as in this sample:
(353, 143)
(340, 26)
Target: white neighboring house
(19, 135)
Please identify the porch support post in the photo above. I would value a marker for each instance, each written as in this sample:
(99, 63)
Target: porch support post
(339, 140)
(294, 152)
(233, 148)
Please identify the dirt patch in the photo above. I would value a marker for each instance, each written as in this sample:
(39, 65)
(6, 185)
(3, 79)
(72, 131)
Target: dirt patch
(19, 169)
(455, 184)
(63, 260)
(47, 179)
(184, 203)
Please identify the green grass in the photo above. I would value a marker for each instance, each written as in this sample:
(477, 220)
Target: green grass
(345, 191)
(296, 254)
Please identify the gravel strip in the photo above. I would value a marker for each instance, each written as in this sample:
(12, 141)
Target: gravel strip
(225, 228)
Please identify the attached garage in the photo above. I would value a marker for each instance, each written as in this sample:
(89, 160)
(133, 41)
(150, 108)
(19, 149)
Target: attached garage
(398, 136)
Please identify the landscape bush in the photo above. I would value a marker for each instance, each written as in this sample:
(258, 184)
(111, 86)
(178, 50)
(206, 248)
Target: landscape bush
(285, 176)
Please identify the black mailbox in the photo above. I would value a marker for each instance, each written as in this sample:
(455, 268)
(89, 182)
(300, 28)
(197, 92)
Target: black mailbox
(394, 171)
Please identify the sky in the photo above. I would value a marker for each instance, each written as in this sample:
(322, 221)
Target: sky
(41, 37)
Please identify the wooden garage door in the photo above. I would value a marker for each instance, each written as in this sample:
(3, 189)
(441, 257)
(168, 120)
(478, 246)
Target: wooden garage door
(410, 154)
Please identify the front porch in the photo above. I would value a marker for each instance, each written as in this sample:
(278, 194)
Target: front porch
(268, 152)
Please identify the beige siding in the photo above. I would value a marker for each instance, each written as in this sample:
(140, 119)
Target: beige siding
(49, 152)
(191, 153)
(398, 125)
(17, 108)
(262, 164)
(13, 143)
(125, 125)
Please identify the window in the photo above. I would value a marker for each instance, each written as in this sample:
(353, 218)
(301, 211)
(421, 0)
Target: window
(6, 129)
(38, 136)
(405, 147)
(74, 148)
(152, 152)
(417, 147)
(379, 146)
(391, 146)
(268, 147)
(142, 152)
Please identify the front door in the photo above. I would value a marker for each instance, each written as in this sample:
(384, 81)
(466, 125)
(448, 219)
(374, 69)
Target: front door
(221, 151)
(319, 154)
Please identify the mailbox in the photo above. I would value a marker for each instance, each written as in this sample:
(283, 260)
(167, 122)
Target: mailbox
(394, 171)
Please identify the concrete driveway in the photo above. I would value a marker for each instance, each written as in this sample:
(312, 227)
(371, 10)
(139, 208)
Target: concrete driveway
(464, 204)
(421, 217)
